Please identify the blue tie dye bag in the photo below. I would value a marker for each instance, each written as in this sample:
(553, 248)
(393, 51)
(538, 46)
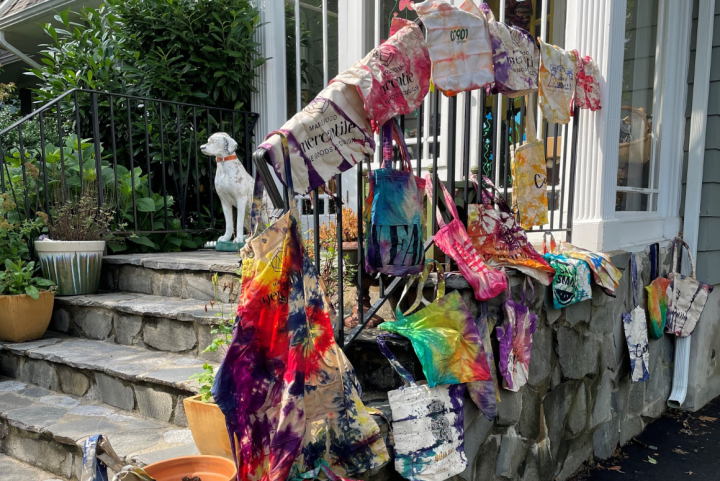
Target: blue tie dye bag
(393, 223)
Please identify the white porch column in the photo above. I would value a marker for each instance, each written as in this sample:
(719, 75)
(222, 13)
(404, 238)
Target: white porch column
(270, 101)
(596, 28)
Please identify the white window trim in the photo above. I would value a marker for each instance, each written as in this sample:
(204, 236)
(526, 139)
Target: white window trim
(597, 29)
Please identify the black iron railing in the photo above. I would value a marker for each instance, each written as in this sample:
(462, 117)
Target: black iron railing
(497, 114)
(142, 154)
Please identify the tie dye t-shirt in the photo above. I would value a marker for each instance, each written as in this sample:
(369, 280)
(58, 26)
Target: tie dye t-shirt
(288, 392)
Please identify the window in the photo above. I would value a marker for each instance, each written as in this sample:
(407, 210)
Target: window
(314, 44)
(637, 179)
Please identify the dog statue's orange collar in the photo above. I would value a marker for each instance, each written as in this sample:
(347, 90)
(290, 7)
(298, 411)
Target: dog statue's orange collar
(223, 159)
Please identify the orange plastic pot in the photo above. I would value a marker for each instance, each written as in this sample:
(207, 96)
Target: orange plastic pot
(207, 468)
(23, 318)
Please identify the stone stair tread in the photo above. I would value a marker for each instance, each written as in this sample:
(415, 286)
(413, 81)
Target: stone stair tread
(191, 310)
(68, 420)
(200, 260)
(131, 363)
(13, 470)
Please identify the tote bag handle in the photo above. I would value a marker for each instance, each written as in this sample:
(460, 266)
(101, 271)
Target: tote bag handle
(391, 131)
(421, 283)
(677, 249)
(399, 368)
(530, 119)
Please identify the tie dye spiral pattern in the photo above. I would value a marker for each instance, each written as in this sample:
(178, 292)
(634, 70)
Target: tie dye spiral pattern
(515, 337)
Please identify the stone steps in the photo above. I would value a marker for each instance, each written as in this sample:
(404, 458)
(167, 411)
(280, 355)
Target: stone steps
(185, 275)
(46, 430)
(161, 323)
(131, 378)
(13, 470)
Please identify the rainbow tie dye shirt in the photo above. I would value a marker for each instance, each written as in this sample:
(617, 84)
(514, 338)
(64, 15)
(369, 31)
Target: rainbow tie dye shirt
(288, 393)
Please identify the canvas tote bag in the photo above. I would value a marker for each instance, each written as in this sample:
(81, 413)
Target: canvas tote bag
(587, 84)
(329, 136)
(571, 283)
(394, 229)
(686, 296)
(459, 46)
(453, 240)
(516, 58)
(635, 327)
(557, 83)
(499, 239)
(529, 172)
(394, 78)
(428, 426)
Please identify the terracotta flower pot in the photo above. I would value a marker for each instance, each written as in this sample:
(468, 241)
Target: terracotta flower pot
(73, 265)
(207, 424)
(207, 468)
(23, 318)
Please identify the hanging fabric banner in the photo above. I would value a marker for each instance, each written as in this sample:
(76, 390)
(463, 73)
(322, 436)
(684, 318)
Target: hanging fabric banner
(635, 327)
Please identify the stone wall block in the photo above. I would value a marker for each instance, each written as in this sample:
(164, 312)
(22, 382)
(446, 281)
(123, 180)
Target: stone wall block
(485, 460)
(180, 418)
(9, 365)
(168, 335)
(93, 322)
(637, 397)
(607, 352)
(40, 373)
(512, 452)
(115, 392)
(540, 357)
(580, 450)
(556, 406)
(61, 320)
(127, 328)
(601, 393)
(603, 318)
(477, 427)
(37, 452)
(606, 437)
(577, 352)
(72, 381)
(631, 427)
(154, 404)
(509, 407)
(168, 283)
(529, 422)
(578, 312)
(578, 415)
(135, 279)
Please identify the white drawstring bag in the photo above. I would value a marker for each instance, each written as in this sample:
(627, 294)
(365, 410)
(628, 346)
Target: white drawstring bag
(428, 425)
(459, 46)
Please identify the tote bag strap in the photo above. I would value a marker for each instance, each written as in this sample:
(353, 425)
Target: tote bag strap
(654, 261)
(449, 202)
(532, 291)
(676, 249)
(530, 119)
(391, 131)
(553, 245)
(421, 283)
(633, 268)
(407, 377)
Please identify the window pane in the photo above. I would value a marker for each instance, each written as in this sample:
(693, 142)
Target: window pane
(631, 201)
(636, 114)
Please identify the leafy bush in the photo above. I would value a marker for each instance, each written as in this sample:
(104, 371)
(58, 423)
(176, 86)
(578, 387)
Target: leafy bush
(15, 236)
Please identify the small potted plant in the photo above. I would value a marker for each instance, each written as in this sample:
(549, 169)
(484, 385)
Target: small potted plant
(205, 419)
(26, 302)
(71, 254)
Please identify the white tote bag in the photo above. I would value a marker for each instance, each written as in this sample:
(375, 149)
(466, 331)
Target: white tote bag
(686, 296)
(635, 326)
(427, 426)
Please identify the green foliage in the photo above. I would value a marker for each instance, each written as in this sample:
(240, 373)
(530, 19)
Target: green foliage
(18, 278)
(192, 51)
(223, 332)
(15, 236)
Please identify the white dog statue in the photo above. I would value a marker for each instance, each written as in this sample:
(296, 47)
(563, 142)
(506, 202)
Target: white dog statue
(233, 184)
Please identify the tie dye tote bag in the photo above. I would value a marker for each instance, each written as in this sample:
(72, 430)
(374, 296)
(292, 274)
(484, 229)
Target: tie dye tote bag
(428, 426)
(571, 283)
(459, 46)
(394, 229)
(453, 240)
(515, 337)
(686, 296)
(499, 239)
(587, 85)
(394, 78)
(656, 296)
(529, 174)
(605, 274)
(516, 58)
(289, 395)
(636, 335)
(557, 83)
(329, 136)
(446, 340)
